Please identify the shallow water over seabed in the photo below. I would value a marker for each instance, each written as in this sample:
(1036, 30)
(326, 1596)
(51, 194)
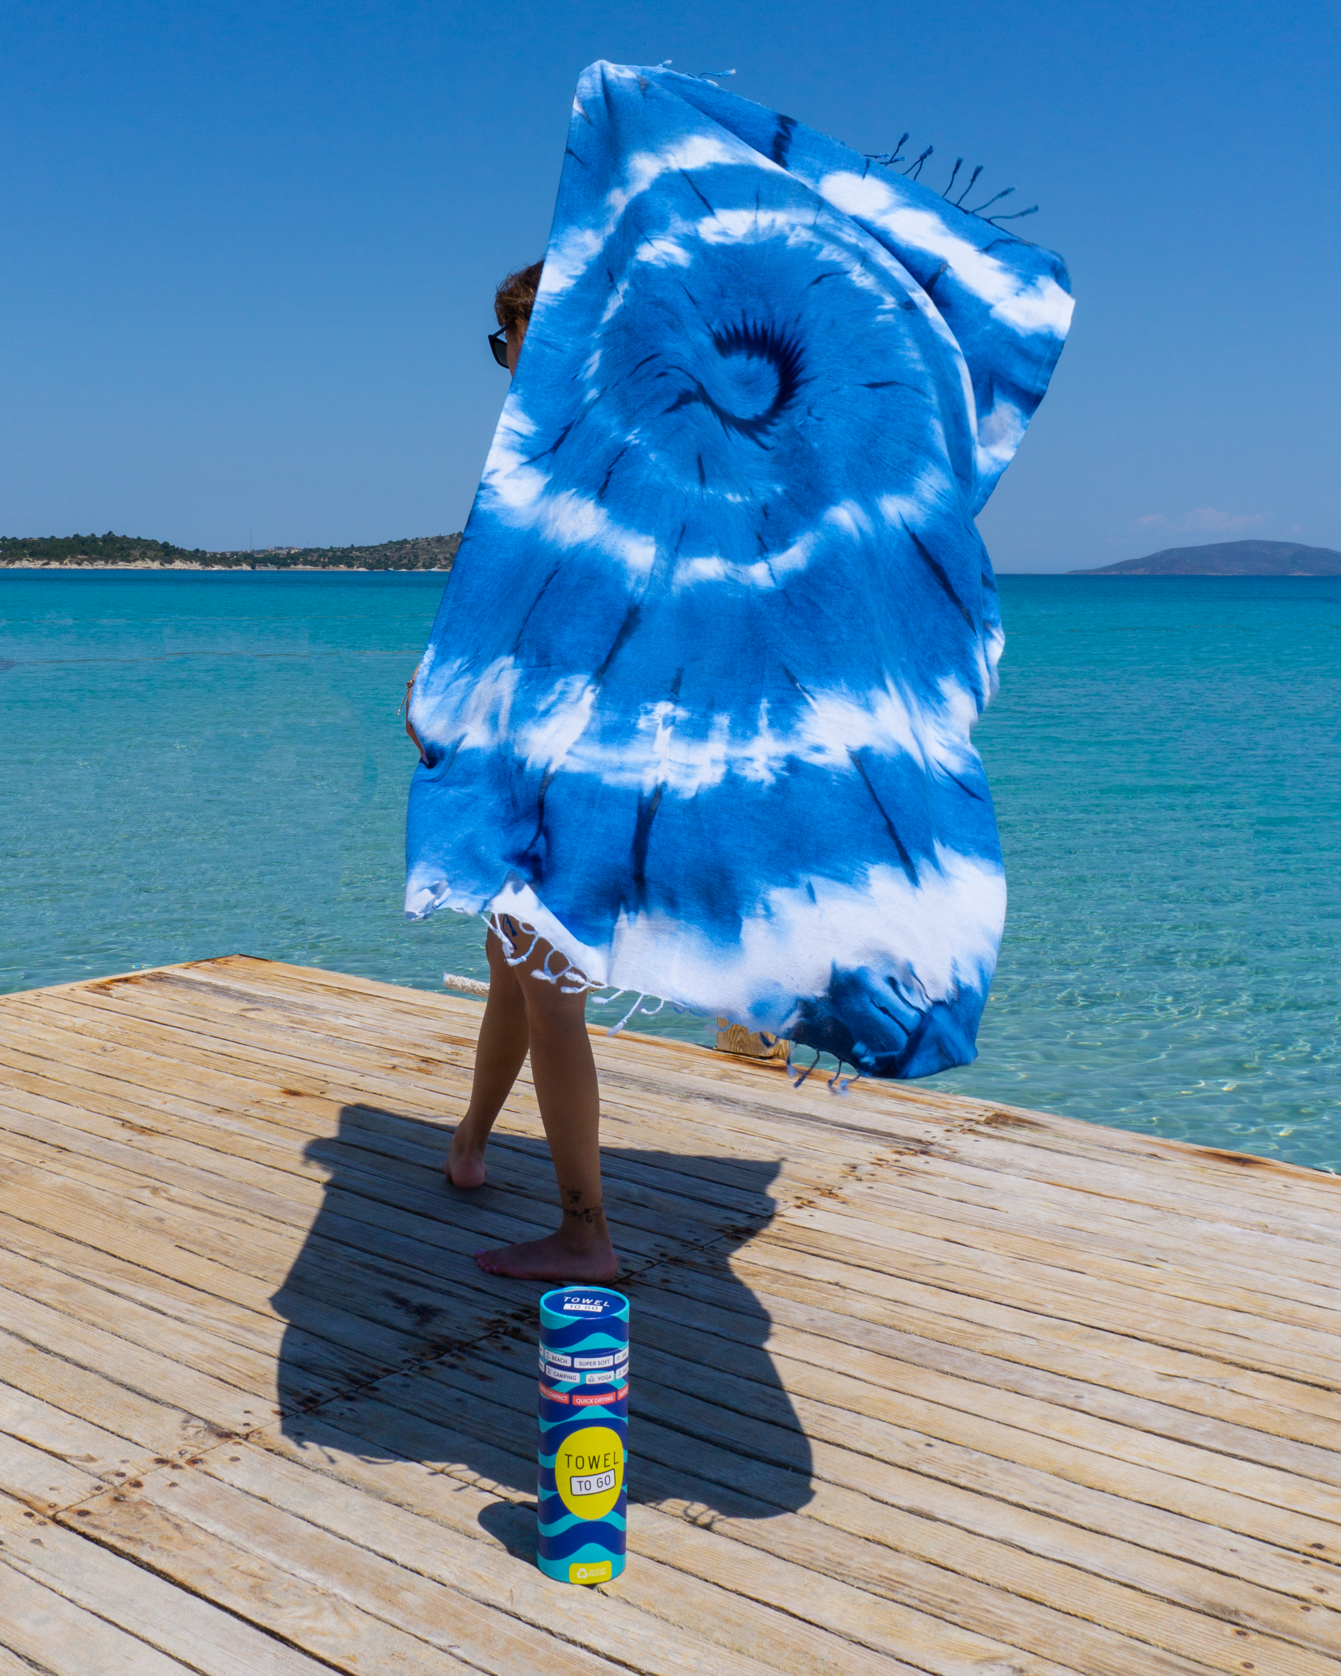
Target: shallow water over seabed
(196, 764)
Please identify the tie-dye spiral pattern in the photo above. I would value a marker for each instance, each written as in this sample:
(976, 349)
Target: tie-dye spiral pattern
(697, 702)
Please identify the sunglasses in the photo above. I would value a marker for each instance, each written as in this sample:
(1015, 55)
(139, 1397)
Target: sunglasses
(498, 342)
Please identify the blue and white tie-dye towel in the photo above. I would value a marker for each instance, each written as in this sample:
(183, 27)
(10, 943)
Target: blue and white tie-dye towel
(696, 706)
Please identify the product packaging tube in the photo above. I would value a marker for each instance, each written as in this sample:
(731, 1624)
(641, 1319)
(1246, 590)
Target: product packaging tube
(584, 1427)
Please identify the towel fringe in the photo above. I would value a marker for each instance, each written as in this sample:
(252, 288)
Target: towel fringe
(887, 160)
(571, 980)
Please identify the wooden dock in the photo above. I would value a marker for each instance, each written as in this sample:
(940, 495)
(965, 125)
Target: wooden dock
(919, 1384)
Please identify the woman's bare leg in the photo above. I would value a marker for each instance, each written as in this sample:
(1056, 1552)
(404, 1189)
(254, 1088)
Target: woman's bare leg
(564, 1072)
(499, 1056)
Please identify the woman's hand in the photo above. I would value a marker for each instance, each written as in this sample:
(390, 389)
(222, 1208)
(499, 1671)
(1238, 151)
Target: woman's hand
(409, 688)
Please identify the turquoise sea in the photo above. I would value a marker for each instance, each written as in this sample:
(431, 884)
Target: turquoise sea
(194, 764)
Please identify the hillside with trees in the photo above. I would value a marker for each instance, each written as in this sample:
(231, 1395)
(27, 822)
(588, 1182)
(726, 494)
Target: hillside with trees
(429, 552)
(1229, 558)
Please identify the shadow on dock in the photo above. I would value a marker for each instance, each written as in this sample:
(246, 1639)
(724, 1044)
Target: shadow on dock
(398, 1348)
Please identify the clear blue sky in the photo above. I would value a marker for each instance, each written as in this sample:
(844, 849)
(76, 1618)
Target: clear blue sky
(250, 248)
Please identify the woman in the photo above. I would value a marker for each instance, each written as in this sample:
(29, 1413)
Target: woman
(526, 1014)
(696, 708)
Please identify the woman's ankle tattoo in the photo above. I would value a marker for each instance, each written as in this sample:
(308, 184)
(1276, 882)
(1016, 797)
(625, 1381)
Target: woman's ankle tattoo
(587, 1213)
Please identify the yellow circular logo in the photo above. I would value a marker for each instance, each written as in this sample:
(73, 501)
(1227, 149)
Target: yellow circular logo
(589, 1470)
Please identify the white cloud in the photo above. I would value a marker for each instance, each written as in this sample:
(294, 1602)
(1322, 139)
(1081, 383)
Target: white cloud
(1201, 520)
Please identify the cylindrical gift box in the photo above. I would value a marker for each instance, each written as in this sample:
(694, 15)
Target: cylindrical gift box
(584, 1427)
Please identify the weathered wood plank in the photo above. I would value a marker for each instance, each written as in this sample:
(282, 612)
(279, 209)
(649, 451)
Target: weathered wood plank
(921, 1384)
(1135, 1267)
(386, 1072)
(62, 1639)
(177, 1624)
(422, 1428)
(39, 1480)
(315, 1563)
(314, 1620)
(871, 1245)
(1289, 1268)
(486, 1567)
(830, 1329)
(146, 1372)
(917, 1516)
(795, 1283)
(772, 1604)
(179, 1137)
(154, 1425)
(12, 1665)
(75, 1441)
(846, 1536)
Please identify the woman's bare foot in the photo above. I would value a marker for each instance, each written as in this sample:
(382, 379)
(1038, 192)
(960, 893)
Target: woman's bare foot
(554, 1258)
(465, 1166)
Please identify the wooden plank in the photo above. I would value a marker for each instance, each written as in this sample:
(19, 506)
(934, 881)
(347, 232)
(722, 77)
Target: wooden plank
(854, 1452)
(285, 1197)
(271, 1223)
(818, 1296)
(62, 1639)
(360, 1264)
(174, 1622)
(495, 1568)
(1243, 1175)
(335, 1272)
(79, 985)
(233, 1131)
(190, 1343)
(314, 1621)
(155, 1425)
(158, 1525)
(723, 1090)
(1050, 1265)
(884, 1103)
(179, 1137)
(12, 1665)
(821, 1539)
(1290, 1268)
(990, 1467)
(1315, 1540)
(674, 1128)
(1038, 1403)
(373, 1078)
(985, 1390)
(75, 1441)
(871, 1245)
(37, 1479)
(1090, 1357)
(431, 1320)
(977, 1230)
(358, 1348)
(220, 1404)
(892, 1351)
(350, 1279)
(365, 1428)
(1112, 1175)
(884, 1296)
(853, 1624)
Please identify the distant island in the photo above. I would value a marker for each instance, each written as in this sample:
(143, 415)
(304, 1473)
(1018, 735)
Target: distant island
(1229, 558)
(132, 552)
